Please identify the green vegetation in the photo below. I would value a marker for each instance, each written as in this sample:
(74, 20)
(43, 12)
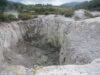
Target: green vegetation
(48, 9)
(3, 4)
(25, 16)
(97, 16)
(68, 13)
(77, 18)
(88, 14)
(89, 5)
(29, 11)
(7, 18)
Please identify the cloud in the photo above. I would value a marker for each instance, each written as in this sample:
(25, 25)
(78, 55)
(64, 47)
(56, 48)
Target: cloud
(54, 2)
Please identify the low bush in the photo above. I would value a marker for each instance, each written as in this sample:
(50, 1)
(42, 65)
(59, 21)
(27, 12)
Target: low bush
(35, 16)
(77, 18)
(88, 14)
(7, 18)
(67, 12)
(97, 16)
(25, 16)
(46, 13)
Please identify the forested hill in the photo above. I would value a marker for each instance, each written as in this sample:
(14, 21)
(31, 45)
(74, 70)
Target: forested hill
(70, 4)
(9, 5)
(90, 5)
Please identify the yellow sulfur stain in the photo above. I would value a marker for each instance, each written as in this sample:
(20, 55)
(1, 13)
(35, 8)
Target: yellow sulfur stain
(37, 69)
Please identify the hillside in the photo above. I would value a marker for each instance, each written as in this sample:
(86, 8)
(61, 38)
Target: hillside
(89, 5)
(70, 4)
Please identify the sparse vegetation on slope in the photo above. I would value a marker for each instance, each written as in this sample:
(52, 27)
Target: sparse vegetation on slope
(7, 18)
(88, 14)
(25, 16)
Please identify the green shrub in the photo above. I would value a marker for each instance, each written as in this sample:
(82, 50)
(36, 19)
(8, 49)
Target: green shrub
(25, 16)
(67, 12)
(11, 17)
(7, 18)
(77, 18)
(46, 13)
(97, 16)
(88, 14)
(35, 16)
(98, 9)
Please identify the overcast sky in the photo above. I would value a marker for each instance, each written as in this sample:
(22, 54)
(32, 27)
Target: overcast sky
(53, 2)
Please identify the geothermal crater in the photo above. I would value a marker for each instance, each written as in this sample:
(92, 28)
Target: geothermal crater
(49, 40)
(33, 42)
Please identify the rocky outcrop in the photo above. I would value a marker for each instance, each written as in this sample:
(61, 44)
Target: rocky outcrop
(82, 44)
(82, 14)
(9, 36)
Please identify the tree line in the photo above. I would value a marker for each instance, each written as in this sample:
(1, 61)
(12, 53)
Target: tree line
(6, 5)
(90, 5)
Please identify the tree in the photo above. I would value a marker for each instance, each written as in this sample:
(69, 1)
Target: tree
(90, 5)
(3, 4)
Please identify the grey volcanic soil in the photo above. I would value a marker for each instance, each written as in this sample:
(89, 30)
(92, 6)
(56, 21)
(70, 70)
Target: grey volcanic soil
(32, 42)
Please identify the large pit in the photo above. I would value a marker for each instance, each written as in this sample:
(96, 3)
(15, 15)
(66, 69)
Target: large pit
(49, 40)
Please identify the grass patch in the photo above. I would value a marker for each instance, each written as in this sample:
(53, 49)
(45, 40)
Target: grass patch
(25, 16)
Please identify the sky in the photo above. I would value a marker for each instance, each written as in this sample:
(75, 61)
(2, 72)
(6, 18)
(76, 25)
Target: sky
(53, 2)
